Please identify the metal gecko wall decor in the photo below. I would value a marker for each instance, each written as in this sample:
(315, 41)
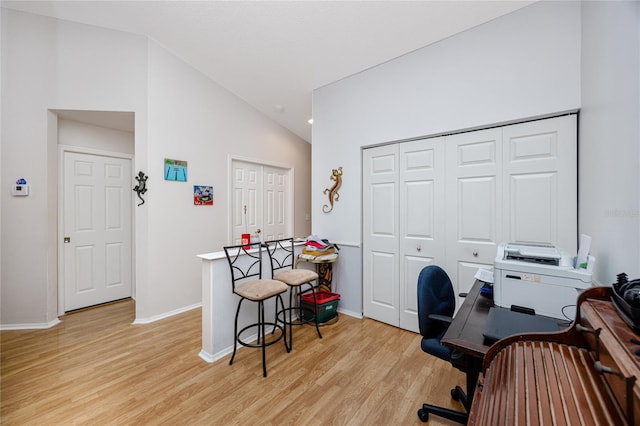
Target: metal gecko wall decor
(336, 176)
(141, 187)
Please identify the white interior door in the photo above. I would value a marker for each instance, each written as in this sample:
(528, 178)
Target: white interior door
(422, 219)
(261, 201)
(246, 199)
(276, 203)
(380, 234)
(97, 229)
(474, 201)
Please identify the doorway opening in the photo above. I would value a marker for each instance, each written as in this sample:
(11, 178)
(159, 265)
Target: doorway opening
(95, 208)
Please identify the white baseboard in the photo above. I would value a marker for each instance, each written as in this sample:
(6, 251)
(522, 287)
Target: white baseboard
(164, 315)
(226, 351)
(215, 357)
(350, 313)
(34, 326)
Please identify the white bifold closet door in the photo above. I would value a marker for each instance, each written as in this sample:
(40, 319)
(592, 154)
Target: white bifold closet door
(451, 200)
(403, 226)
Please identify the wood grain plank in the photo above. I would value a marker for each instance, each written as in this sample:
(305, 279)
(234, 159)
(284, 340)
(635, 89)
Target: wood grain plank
(97, 368)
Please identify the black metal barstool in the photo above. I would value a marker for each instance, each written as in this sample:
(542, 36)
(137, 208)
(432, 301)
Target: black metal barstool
(245, 263)
(282, 255)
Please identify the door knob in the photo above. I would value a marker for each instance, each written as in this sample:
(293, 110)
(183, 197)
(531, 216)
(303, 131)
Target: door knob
(419, 248)
(475, 253)
(67, 239)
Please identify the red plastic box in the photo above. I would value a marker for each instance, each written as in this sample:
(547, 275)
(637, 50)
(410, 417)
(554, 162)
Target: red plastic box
(327, 305)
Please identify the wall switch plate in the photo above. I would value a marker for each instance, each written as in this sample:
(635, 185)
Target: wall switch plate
(20, 190)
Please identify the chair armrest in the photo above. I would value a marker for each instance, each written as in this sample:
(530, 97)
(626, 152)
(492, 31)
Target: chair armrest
(441, 318)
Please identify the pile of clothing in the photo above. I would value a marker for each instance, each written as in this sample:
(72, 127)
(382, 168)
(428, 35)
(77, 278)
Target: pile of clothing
(315, 247)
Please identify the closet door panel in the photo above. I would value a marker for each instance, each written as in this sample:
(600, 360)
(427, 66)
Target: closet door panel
(383, 272)
(380, 234)
(421, 212)
(476, 209)
(474, 197)
(466, 271)
(533, 210)
(540, 189)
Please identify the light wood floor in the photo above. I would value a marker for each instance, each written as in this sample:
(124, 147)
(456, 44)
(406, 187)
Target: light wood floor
(98, 368)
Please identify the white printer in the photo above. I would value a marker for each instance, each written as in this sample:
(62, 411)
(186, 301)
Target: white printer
(541, 278)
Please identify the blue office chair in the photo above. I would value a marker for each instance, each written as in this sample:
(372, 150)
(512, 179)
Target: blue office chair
(436, 305)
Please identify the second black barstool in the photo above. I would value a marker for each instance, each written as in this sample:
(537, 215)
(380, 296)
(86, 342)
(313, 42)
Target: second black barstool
(282, 256)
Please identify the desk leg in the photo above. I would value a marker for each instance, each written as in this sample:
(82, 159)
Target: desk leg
(473, 367)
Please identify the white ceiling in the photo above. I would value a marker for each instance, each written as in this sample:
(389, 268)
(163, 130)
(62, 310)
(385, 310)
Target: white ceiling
(273, 54)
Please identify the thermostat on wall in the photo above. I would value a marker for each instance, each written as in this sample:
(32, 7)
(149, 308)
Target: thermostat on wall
(20, 188)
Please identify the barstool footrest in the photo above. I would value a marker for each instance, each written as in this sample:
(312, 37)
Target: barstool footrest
(282, 317)
(266, 343)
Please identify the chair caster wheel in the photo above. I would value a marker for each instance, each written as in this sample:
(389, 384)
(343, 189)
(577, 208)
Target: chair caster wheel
(423, 415)
(454, 395)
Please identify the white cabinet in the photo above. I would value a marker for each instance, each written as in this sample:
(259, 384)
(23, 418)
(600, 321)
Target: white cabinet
(451, 200)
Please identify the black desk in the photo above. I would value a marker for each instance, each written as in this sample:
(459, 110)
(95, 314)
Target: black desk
(465, 334)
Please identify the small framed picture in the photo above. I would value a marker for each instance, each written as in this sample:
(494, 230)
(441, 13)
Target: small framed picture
(175, 170)
(202, 195)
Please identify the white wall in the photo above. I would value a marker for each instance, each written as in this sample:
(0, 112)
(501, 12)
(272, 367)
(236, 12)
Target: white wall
(609, 169)
(194, 119)
(522, 65)
(74, 133)
(48, 64)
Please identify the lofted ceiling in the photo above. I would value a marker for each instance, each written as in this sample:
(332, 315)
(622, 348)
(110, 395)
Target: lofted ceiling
(273, 54)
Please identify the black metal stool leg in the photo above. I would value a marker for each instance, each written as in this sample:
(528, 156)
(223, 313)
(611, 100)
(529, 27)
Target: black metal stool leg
(287, 346)
(289, 322)
(235, 332)
(315, 303)
(264, 338)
